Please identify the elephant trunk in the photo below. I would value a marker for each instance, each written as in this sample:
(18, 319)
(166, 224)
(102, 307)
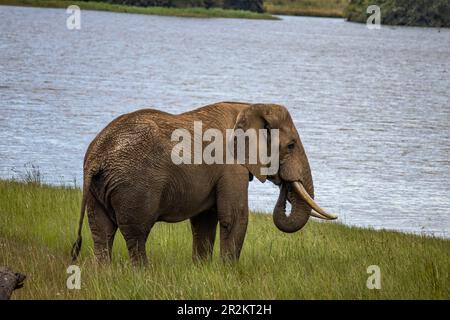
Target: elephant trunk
(302, 204)
(300, 211)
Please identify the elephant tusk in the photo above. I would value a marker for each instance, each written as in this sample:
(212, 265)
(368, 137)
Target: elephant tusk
(317, 215)
(319, 212)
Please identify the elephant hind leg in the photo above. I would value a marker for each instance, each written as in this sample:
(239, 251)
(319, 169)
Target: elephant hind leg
(135, 216)
(204, 228)
(136, 237)
(103, 230)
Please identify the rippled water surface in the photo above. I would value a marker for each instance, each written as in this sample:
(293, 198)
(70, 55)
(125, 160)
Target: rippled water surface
(372, 106)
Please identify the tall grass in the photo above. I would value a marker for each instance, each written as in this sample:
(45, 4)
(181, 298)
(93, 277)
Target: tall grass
(323, 261)
(161, 11)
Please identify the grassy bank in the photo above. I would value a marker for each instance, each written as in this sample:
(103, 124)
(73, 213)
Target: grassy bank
(323, 261)
(178, 12)
(319, 8)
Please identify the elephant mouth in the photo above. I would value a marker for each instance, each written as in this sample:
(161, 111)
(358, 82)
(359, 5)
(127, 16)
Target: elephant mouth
(275, 179)
(302, 207)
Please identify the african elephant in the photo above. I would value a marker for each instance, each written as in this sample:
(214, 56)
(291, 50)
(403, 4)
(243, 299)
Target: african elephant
(131, 181)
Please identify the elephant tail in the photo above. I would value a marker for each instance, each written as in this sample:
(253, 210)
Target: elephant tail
(76, 247)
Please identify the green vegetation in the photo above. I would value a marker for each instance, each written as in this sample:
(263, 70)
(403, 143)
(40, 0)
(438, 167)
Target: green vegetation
(323, 261)
(161, 11)
(251, 5)
(319, 8)
(424, 13)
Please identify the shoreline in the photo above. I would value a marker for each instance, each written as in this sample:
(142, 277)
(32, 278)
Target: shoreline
(304, 12)
(35, 182)
(159, 11)
(297, 8)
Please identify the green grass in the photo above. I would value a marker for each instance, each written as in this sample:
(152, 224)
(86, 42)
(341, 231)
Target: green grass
(319, 8)
(323, 261)
(178, 12)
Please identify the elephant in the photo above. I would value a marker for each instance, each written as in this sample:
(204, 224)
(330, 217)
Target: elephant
(131, 181)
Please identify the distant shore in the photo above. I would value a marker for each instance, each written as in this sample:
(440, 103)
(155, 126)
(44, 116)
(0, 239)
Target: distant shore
(317, 8)
(414, 14)
(432, 13)
(161, 11)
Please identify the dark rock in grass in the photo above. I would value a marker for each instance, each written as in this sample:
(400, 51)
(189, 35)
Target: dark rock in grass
(9, 281)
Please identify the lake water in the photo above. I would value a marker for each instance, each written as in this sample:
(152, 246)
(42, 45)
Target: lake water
(372, 106)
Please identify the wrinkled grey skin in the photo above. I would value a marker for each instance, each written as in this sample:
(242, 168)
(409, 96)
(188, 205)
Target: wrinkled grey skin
(9, 281)
(130, 181)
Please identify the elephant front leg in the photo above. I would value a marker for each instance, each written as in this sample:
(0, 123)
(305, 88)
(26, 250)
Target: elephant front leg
(204, 228)
(232, 234)
(233, 216)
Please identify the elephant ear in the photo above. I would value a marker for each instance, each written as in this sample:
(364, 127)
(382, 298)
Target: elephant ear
(256, 117)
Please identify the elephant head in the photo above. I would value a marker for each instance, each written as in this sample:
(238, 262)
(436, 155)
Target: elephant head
(293, 175)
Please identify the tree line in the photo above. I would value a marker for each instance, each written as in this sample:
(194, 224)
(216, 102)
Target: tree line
(250, 5)
(425, 13)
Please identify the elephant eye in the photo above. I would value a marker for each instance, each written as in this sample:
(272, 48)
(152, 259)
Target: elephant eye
(291, 145)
